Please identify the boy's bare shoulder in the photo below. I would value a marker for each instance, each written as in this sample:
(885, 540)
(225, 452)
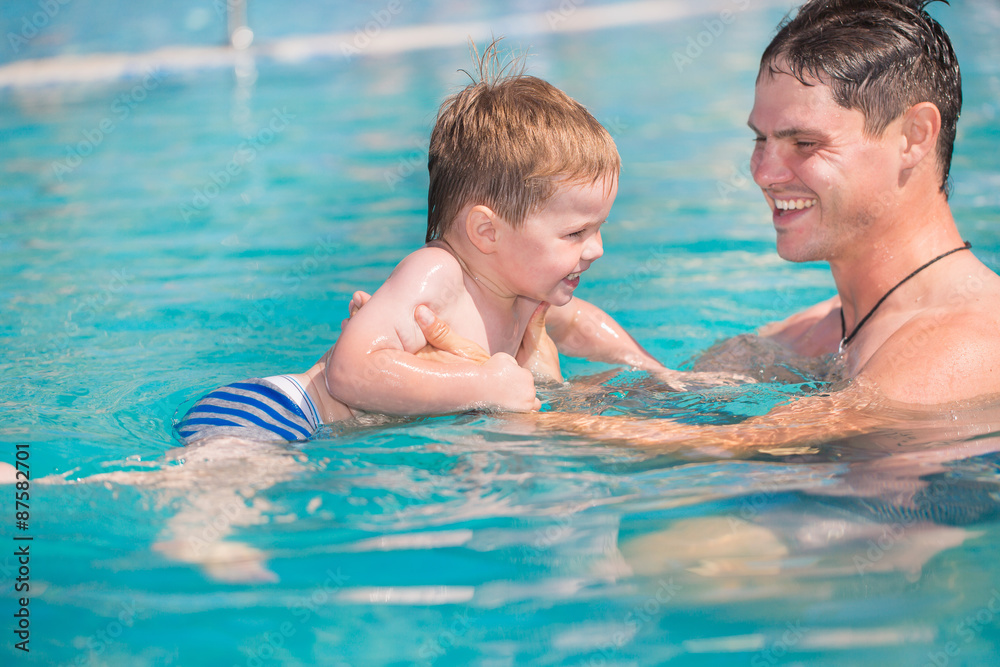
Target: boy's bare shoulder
(430, 276)
(428, 268)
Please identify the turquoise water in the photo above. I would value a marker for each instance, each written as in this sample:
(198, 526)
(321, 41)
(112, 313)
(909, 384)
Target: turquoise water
(135, 278)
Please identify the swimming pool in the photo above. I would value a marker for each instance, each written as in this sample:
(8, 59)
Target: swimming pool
(140, 269)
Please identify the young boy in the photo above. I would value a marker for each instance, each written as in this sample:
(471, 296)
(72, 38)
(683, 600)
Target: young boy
(521, 179)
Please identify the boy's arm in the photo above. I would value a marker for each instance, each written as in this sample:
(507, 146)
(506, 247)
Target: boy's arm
(373, 366)
(581, 329)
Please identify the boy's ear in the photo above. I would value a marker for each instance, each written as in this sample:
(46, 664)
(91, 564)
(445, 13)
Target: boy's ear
(920, 130)
(482, 226)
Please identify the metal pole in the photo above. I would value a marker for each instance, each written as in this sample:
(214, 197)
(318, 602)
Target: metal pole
(240, 35)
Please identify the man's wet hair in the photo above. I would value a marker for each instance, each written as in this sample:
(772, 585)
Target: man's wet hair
(878, 56)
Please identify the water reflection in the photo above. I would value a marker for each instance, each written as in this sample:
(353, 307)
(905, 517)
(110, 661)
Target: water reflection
(543, 519)
(889, 492)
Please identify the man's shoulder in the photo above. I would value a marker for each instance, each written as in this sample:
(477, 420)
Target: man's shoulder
(969, 313)
(945, 354)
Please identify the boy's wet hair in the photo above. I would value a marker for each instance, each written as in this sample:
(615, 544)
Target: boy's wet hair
(878, 56)
(504, 139)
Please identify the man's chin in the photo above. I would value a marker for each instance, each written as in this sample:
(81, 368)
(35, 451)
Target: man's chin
(790, 251)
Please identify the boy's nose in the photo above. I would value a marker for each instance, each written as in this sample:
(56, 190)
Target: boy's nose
(594, 248)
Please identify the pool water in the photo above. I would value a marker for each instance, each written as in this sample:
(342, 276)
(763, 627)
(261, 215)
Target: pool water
(177, 229)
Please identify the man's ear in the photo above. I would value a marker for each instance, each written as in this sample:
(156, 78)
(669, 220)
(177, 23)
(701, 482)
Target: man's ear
(482, 226)
(920, 130)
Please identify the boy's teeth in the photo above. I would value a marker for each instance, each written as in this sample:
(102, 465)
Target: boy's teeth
(793, 204)
(573, 276)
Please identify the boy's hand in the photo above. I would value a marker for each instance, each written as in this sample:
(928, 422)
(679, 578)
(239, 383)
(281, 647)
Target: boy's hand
(358, 299)
(538, 351)
(694, 380)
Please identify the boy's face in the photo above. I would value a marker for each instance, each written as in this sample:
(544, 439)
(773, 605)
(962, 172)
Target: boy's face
(543, 258)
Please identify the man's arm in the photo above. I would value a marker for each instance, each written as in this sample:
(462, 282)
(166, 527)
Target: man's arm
(794, 428)
(373, 366)
(933, 364)
(787, 429)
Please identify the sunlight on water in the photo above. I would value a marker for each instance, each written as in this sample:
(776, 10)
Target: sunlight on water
(137, 275)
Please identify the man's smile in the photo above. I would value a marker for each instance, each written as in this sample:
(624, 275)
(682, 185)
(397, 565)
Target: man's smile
(794, 204)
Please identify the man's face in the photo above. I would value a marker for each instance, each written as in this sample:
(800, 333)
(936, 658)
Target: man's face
(828, 185)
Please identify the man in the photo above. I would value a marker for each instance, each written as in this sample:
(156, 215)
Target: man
(855, 110)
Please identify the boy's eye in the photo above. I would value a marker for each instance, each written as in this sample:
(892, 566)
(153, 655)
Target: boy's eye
(577, 234)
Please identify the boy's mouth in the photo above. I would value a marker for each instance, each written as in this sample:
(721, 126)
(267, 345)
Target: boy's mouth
(574, 276)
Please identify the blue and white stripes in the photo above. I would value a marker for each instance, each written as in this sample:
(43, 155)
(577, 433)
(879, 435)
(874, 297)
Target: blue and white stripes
(255, 409)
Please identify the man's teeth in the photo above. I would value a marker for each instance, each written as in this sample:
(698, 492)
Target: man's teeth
(793, 204)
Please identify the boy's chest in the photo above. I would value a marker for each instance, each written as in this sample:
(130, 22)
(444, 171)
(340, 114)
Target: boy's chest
(493, 331)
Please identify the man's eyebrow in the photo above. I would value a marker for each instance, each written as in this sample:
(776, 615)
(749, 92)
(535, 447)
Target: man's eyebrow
(782, 134)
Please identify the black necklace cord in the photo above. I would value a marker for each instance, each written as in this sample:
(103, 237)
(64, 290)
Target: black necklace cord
(845, 340)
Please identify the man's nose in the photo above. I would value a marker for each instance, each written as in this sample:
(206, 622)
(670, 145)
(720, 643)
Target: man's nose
(768, 164)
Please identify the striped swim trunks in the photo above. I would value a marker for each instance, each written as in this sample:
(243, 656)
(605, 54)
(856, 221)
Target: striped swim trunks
(261, 409)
